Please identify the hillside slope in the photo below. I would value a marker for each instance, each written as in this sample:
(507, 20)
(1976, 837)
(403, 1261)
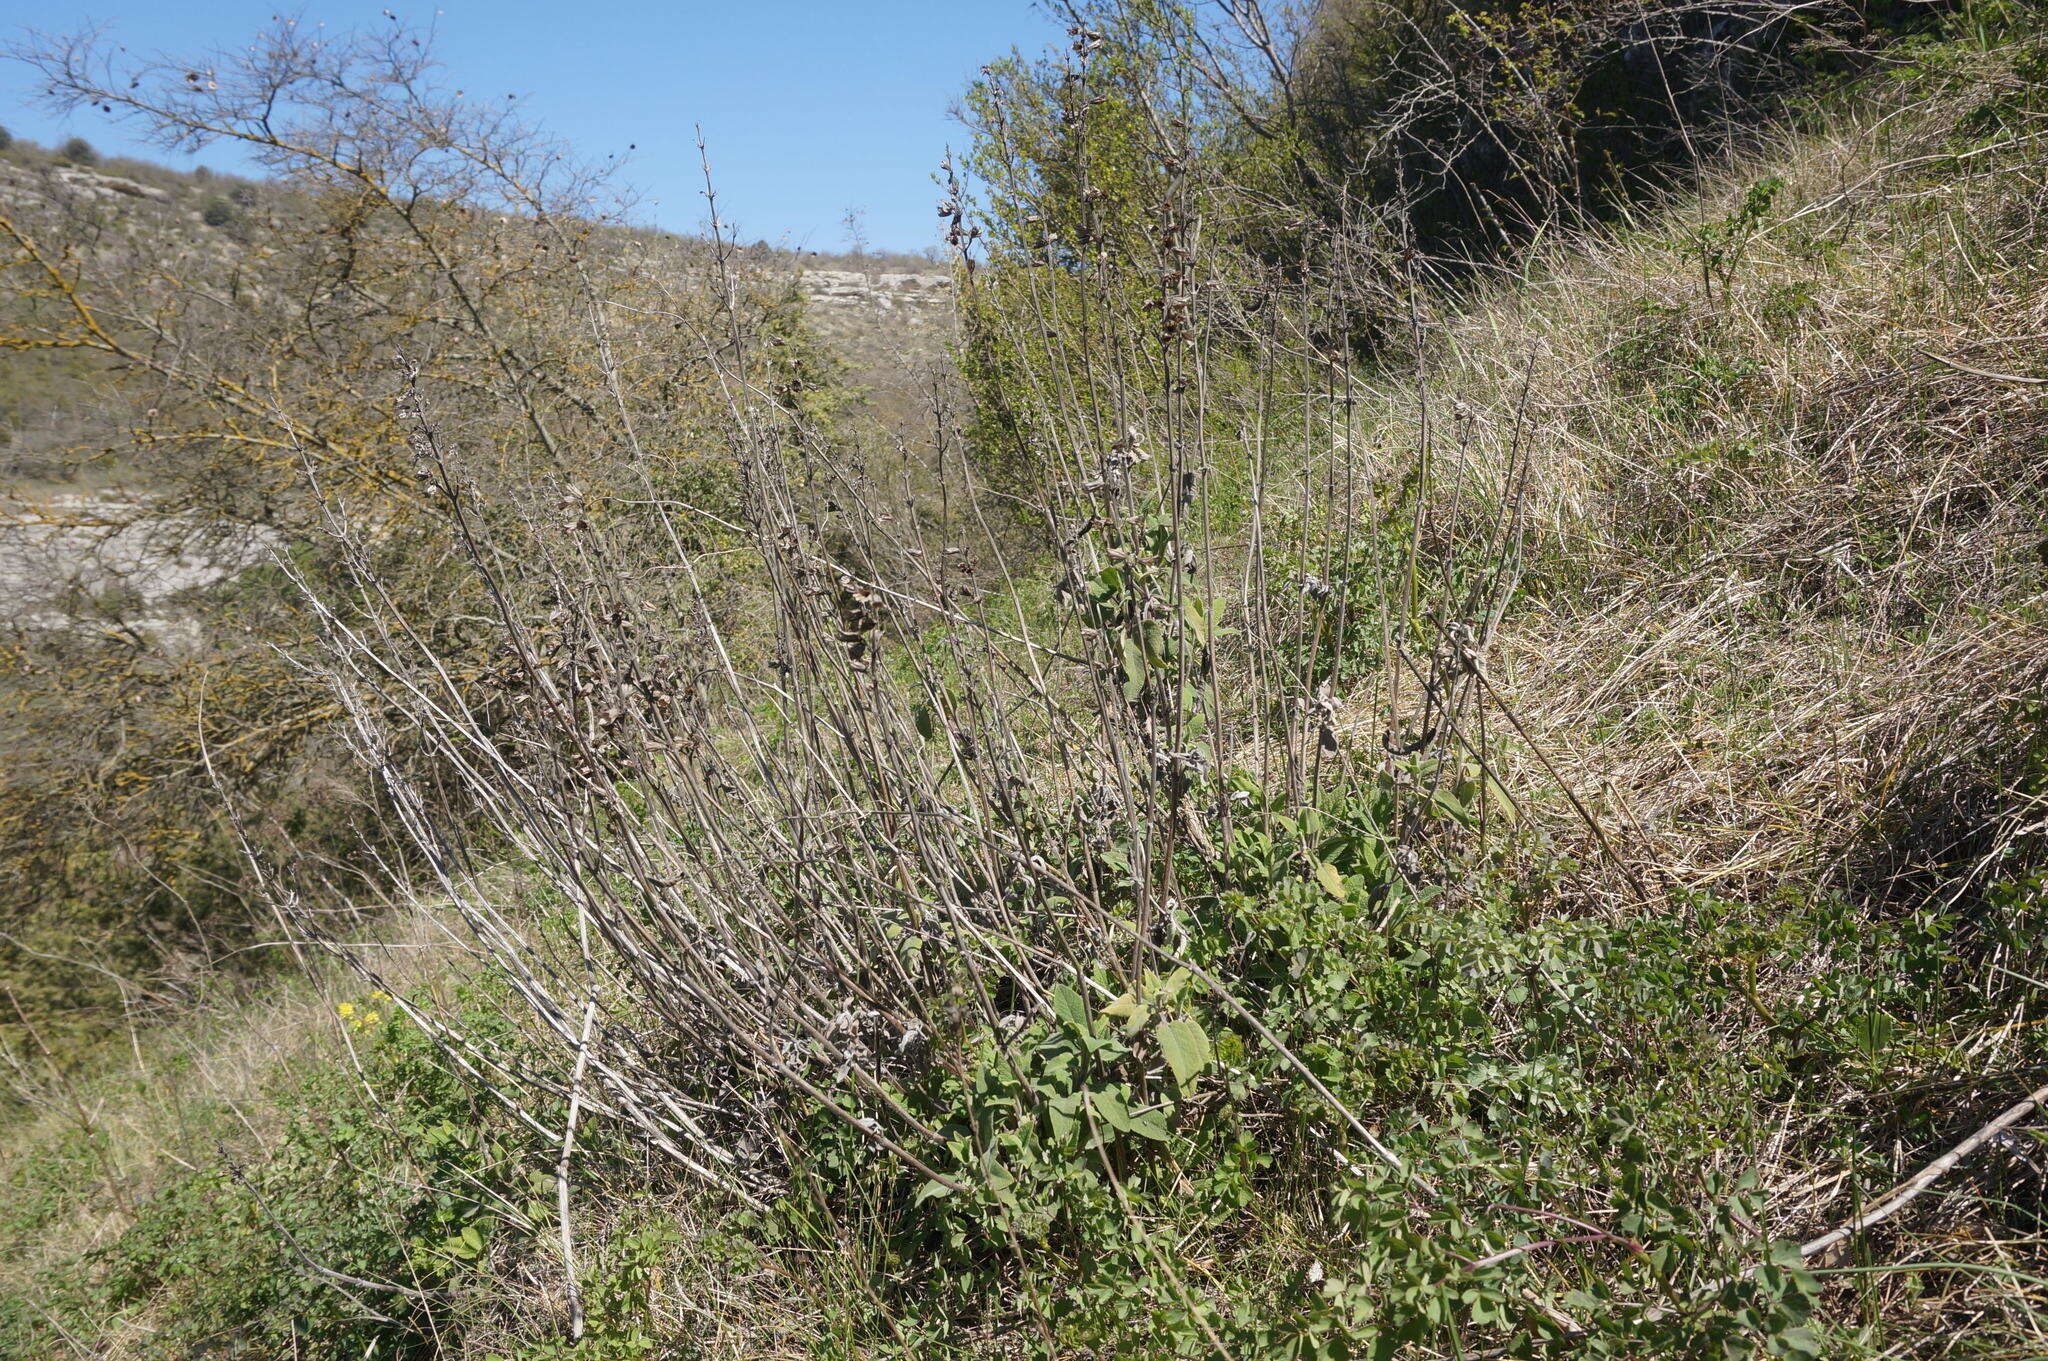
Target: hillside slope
(1688, 907)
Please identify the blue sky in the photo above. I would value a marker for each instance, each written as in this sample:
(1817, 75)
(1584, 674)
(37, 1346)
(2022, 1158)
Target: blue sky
(810, 107)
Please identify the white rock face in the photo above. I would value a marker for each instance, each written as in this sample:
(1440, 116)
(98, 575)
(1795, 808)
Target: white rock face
(76, 182)
(95, 185)
(881, 292)
(884, 324)
(59, 553)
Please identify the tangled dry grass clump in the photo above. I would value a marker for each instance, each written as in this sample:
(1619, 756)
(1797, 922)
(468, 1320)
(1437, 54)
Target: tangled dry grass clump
(1793, 519)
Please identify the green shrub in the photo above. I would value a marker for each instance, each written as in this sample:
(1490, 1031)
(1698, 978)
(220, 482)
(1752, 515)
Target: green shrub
(1116, 1143)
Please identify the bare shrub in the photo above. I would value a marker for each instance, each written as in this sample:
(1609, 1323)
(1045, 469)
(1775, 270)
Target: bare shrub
(919, 919)
(252, 385)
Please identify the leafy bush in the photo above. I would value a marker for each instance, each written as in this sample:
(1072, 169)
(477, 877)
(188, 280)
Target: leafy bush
(371, 1225)
(1276, 869)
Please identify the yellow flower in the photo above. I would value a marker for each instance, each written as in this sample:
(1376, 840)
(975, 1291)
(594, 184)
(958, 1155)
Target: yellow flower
(346, 1009)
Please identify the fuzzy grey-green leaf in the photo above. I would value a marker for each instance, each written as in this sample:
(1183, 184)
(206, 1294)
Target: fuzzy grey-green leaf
(1186, 1047)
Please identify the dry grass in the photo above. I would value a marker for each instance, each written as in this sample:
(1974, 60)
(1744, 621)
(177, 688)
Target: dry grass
(188, 1091)
(1784, 580)
(1784, 621)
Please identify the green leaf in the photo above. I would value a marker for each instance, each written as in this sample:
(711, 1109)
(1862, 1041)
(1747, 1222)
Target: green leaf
(1497, 795)
(1110, 1106)
(1332, 881)
(1064, 1114)
(1873, 1033)
(1068, 1006)
(1156, 650)
(1150, 1125)
(1799, 1341)
(1135, 669)
(1186, 1046)
(467, 1245)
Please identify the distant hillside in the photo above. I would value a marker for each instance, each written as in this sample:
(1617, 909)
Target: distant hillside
(888, 317)
(883, 311)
